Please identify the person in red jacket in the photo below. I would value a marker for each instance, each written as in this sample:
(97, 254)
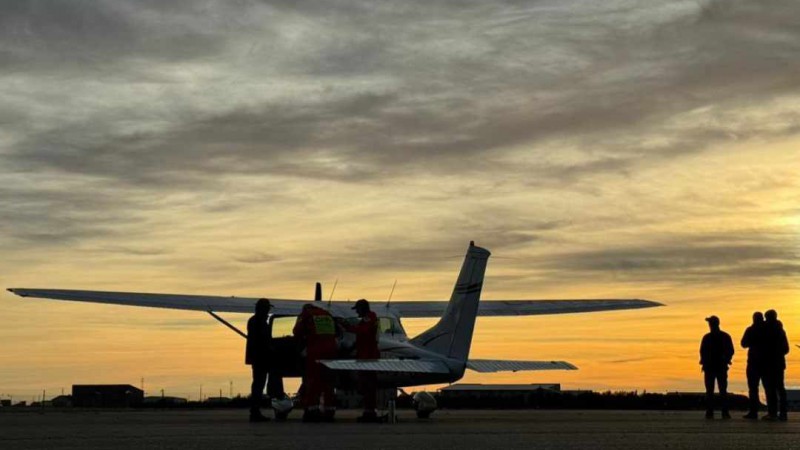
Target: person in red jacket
(366, 331)
(316, 327)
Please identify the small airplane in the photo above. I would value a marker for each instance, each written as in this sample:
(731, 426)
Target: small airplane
(439, 355)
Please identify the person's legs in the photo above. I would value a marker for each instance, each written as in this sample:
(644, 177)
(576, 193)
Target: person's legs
(257, 389)
(709, 379)
(722, 381)
(312, 389)
(369, 389)
(327, 382)
(753, 381)
(780, 390)
(275, 384)
(771, 393)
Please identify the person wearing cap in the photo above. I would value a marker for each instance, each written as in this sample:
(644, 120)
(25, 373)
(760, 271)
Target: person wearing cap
(317, 329)
(776, 346)
(753, 341)
(258, 355)
(716, 354)
(366, 331)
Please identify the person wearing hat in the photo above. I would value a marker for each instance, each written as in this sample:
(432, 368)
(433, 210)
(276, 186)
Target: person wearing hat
(258, 355)
(716, 354)
(366, 331)
(776, 346)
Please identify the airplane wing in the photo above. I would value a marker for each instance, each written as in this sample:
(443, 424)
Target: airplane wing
(388, 365)
(523, 307)
(286, 307)
(496, 365)
(280, 307)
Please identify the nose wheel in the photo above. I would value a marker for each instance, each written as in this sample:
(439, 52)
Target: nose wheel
(281, 407)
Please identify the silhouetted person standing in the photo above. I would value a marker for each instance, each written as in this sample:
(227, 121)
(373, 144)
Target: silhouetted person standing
(258, 355)
(776, 346)
(716, 354)
(317, 328)
(366, 331)
(753, 341)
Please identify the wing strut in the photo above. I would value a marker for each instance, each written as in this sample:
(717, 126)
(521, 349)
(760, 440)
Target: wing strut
(227, 324)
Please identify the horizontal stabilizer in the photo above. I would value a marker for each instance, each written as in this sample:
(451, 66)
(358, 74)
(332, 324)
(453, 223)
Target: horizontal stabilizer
(388, 365)
(496, 365)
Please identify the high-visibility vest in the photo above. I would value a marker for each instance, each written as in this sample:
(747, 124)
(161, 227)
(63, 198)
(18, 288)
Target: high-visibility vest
(323, 324)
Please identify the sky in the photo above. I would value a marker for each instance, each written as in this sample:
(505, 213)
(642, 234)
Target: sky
(627, 148)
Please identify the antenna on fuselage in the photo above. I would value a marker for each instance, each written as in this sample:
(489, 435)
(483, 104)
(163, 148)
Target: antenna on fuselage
(389, 300)
(332, 291)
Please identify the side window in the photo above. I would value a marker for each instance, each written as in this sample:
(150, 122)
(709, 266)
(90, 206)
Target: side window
(282, 326)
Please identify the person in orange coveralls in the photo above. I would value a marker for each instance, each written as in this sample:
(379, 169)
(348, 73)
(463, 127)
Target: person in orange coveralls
(366, 331)
(317, 329)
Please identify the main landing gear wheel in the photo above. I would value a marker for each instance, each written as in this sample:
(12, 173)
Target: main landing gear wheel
(282, 407)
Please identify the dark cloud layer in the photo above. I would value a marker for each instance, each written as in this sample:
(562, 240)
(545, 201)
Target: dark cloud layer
(419, 87)
(701, 258)
(137, 99)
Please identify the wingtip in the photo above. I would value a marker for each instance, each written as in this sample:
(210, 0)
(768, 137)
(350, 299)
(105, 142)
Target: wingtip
(16, 291)
(650, 303)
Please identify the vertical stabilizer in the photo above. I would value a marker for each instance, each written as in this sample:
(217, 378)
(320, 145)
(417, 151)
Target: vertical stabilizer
(452, 335)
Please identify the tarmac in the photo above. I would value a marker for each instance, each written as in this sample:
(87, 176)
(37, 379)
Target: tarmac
(541, 429)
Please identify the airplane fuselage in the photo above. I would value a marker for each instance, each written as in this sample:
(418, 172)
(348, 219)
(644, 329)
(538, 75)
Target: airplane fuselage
(393, 344)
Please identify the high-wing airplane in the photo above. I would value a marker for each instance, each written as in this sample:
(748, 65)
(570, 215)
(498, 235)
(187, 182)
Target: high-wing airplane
(438, 355)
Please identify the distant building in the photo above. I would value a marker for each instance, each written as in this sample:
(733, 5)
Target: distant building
(498, 395)
(157, 400)
(62, 401)
(106, 395)
(5, 402)
(793, 399)
(218, 400)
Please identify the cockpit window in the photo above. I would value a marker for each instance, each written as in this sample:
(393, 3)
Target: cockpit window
(390, 325)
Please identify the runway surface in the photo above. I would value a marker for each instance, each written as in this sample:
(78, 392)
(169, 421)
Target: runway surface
(188, 429)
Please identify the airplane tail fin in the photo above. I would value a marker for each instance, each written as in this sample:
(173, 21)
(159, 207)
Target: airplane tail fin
(452, 335)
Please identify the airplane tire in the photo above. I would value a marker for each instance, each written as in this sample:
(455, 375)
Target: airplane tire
(424, 414)
(281, 416)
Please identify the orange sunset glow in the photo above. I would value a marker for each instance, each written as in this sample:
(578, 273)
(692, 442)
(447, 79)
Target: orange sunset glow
(611, 150)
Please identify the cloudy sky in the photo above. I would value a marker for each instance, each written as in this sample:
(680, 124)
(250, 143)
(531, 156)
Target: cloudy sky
(622, 148)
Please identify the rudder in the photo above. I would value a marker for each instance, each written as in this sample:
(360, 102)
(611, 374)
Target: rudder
(452, 335)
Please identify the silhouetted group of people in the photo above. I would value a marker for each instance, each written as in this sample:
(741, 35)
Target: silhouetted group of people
(317, 331)
(767, 346)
